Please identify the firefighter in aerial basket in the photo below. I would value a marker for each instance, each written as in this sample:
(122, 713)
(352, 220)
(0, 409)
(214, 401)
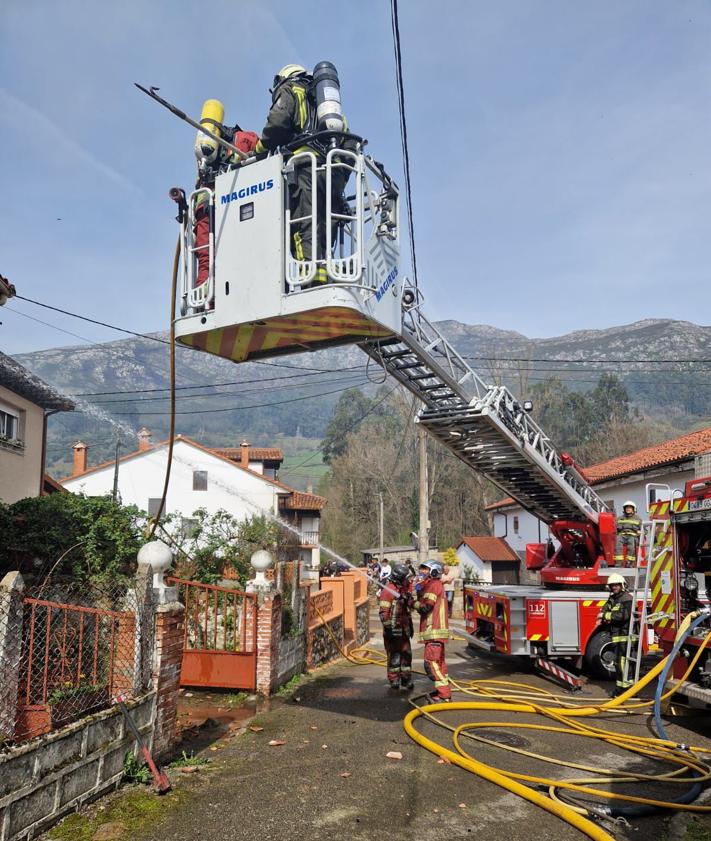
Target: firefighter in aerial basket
(304, 104)
(395, 604)
(431, 603)
(211, 159)
(629, 526)
(616, 614)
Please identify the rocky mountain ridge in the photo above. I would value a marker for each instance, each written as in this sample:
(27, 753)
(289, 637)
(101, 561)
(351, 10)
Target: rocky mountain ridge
(122, 385)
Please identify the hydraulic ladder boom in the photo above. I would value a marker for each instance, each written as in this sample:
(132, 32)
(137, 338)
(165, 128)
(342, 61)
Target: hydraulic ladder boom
(485, 426)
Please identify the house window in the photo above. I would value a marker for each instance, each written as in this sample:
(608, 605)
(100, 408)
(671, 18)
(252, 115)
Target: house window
(153, 506)
(10, 427)
(610, 504)
(515, 524)
(199, 480)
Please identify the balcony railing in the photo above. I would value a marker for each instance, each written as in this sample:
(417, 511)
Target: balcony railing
(309, 538)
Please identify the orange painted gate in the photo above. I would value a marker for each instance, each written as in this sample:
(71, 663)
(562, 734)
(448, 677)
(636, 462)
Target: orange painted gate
(220, 641)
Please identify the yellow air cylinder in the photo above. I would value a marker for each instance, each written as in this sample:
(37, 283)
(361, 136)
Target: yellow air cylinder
(211, 116)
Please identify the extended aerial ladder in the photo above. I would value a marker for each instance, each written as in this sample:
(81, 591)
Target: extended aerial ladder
(259, 300)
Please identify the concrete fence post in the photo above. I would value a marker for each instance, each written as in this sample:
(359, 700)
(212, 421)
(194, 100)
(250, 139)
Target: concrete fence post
(12, 589)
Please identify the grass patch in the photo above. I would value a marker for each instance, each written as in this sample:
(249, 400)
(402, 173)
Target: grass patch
(135, 771)
(290, 686)
(136, 810)
(699, 829)
(236, 699)
(186, 760)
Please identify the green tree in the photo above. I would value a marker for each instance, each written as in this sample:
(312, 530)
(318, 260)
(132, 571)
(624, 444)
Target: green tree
(85, 537)
(352, 406)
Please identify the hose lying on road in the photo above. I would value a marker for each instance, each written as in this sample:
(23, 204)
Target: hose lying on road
(564, 716)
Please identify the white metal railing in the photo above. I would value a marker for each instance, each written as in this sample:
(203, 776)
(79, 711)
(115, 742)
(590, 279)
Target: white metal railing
(375, 214)
(348, 265)
(193, 296)
(300, 271)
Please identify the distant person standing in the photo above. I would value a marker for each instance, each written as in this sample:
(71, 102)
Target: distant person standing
(385, 569)
(450, 575)
(629, 526)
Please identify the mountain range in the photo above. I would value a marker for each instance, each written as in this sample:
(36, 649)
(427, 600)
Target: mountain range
(288, 401)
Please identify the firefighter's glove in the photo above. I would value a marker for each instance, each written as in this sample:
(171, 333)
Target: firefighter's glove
(607, 616)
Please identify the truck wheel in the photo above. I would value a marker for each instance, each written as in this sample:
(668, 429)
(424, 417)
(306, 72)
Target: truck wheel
(600, 656)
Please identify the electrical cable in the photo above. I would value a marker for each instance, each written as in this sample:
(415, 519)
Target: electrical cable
(244, 408)
(403, 132)
(171, 436)
(147, 336)
(346, 431)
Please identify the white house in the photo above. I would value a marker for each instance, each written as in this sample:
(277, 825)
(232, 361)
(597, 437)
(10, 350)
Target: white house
(25, 404)
(241, 480)
(671, 463)
(488, 560)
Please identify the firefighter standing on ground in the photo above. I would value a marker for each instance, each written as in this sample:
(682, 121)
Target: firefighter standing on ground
(629, 526)
(431, 603)
(294, 114)
(616, 615)
(395, 603)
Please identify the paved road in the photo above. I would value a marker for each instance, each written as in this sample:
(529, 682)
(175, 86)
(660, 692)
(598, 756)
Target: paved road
(331, 777)
(345, 721)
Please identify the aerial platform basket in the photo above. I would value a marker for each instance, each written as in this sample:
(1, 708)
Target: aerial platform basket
(259, 299)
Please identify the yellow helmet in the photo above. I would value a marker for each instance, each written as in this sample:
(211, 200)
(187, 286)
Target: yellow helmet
(286, 72)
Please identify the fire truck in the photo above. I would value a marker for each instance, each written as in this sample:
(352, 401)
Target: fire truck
(259, 300)
(680, 577)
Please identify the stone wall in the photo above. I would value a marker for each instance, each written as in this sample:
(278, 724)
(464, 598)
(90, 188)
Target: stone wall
(322, 646)
(363, 623)
(43, 780)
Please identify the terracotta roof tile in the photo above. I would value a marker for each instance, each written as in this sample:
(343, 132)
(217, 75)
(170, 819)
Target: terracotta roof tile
(491, 549)
(678, 449)
(299, 501)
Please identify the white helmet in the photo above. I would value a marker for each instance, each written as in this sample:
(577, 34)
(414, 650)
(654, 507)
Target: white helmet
(616, 578)
(629, 504)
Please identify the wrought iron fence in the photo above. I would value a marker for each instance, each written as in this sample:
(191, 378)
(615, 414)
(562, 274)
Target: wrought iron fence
(217, 618)
(67, 650)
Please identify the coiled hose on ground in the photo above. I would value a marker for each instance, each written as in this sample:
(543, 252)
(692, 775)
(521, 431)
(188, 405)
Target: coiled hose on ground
(563, 716)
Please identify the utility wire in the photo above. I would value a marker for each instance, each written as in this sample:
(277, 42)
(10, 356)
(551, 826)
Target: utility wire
(146, 336)
(347, 430)
(403, 132)
(243, 408)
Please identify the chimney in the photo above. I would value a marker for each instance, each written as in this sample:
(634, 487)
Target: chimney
(144, 439)
(244, 459)
(81, 454)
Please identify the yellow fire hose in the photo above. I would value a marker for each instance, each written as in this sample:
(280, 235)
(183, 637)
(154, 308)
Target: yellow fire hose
(565, 715)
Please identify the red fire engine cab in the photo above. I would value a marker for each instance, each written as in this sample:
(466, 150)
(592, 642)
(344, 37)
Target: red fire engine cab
(680, 578)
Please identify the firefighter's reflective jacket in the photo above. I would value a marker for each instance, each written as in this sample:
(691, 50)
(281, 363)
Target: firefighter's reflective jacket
(292, 114)
(616, 613)
(629, 525)
(395, 602)
(431, 604)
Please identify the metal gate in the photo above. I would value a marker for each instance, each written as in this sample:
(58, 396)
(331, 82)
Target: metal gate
(220, 640)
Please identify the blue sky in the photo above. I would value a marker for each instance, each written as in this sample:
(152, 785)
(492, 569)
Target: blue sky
(560, 151)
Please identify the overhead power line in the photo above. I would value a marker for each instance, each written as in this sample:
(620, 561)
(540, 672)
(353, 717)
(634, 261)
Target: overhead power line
(243, 408)
(146, 336)
(403, 132)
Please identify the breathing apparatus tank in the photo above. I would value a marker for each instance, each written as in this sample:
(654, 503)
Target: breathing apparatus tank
(211, 116)
(329, 114)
